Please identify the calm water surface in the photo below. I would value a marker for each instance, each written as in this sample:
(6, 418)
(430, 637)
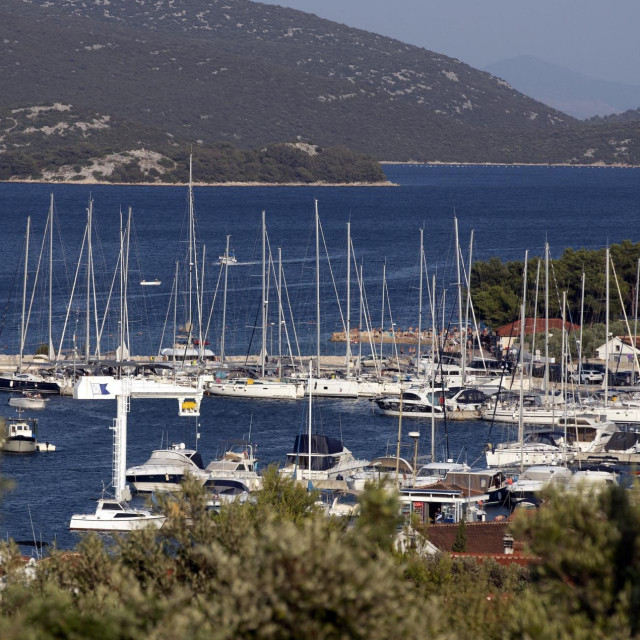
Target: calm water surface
(510, 209)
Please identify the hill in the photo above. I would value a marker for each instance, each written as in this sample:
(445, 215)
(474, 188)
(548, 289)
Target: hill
(574, 93)
(201, 71)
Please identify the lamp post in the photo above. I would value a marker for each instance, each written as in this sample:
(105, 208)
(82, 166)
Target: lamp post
(415, 436)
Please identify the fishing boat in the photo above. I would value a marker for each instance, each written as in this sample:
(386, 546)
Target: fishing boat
(20, 435)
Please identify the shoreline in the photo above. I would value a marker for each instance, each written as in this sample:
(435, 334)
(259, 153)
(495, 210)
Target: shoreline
(386, 183)
(550, 165)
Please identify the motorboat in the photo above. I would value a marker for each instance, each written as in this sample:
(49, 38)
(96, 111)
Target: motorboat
(586, 433)
(434, 472)
(116, 515)
(415, 402)
(29, 382)
(225, 491)
(228, 259)
(464, 399)
(238, 463)
(383, 468)
(539, 447)
(534, 479)
(320, 458)
(166, 469)
(20, 435)
(256, 388)
(150, 283)
(28, 401)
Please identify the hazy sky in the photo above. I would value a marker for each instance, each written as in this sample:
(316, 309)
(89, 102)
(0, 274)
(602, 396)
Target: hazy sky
(595, 37)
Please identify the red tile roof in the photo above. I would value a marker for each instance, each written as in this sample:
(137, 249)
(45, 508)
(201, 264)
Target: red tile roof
(513, 328)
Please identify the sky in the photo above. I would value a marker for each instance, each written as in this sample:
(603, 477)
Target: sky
(598, 38)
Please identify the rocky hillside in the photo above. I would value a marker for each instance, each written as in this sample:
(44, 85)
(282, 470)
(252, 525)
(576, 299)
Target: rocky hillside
(178, 71)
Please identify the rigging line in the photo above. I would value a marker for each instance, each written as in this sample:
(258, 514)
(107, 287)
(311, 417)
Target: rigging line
(73, 288)
(213, 303)
(333, 280)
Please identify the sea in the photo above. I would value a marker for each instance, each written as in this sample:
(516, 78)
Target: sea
(500, 211)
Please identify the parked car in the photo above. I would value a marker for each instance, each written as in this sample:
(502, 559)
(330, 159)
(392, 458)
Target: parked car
(587, 376)
(370, 361)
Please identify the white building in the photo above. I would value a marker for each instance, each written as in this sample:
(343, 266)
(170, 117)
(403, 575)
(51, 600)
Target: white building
(619, 347)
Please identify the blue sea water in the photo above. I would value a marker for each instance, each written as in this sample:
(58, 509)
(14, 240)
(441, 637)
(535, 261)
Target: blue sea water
(510, 209)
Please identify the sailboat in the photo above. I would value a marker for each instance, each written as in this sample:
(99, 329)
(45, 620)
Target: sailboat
(262, 387)
(20, 380)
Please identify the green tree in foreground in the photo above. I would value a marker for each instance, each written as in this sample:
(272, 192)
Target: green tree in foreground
(277, 569)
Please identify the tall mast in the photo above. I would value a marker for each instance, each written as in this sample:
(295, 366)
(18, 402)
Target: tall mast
(317, 288)
(460, 318)
(50, 225)
(189, 326)
(280, 312)
(606, 329)
(348, 322)
(434, 346)
(384, 284)
(546, 320)
(24, 293)
(420, 260)
(89, 264)
(265, 302)
(522, 334)
(224, 300)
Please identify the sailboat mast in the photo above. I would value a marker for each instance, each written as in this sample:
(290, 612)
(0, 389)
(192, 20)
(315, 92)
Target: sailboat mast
(434, 349)
(310, 422)
(50, 225)
(24, 293)
(420, 260)
(522, 334)
(89, 263)
(348, 322)
(546, 321)
(317, 288)
(459, 285)
(189, 326)
(384, 285)
(224, 300)
(280, 312)
(606, 329)
(264, 292)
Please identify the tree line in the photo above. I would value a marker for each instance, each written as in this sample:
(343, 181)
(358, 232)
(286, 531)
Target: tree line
(275, 567)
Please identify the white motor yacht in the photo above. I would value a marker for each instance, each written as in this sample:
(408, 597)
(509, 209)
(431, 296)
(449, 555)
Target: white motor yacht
(237, 463)
(536, 478)
(256, 388)
(166, 469)
(415, 402)
(382, 468)
(537, 448)
(330, 460)
(434, 472)
(115, 515)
